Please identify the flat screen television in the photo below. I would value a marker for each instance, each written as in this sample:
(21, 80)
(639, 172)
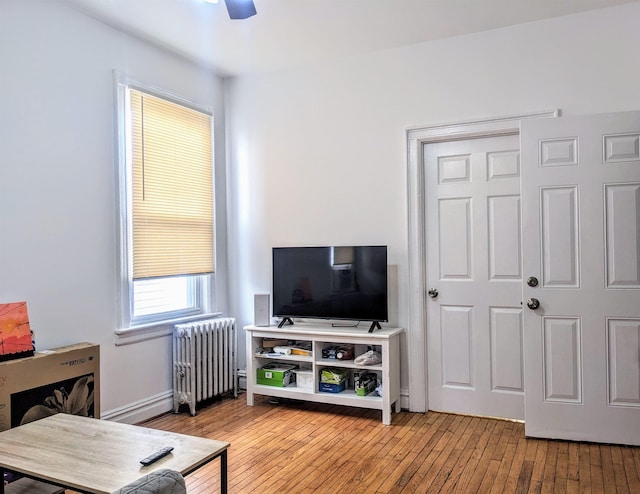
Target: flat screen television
(331, 282)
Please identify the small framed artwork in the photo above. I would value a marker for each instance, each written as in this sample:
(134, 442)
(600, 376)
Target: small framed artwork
(16, 340)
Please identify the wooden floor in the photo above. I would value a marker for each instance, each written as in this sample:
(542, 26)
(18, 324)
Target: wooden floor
(295, 447)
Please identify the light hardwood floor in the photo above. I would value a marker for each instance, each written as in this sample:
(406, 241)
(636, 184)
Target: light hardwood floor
(296, 447)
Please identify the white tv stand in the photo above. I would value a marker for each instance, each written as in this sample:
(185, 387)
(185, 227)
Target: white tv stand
(385, 340)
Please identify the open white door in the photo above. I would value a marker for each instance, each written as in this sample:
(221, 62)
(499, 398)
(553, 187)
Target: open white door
(581, 241)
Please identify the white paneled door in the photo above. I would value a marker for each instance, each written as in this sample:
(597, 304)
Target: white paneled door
(581, 241)
(474, 276)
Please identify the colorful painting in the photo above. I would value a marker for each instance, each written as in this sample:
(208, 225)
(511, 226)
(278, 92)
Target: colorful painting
(15, 332)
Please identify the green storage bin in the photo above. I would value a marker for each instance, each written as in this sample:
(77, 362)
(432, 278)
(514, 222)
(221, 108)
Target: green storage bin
(279, 375)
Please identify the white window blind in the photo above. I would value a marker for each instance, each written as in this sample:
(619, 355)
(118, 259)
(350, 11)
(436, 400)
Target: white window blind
(172, 188)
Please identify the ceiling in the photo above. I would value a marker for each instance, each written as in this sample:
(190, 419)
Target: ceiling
(289, 33)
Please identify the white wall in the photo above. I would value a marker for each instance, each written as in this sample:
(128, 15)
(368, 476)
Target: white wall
(319, 155)
(57, 183)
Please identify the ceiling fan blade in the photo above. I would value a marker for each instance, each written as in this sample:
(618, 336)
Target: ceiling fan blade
(240, 9)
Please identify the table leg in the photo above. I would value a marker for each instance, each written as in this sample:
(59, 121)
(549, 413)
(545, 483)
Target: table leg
(223, 472)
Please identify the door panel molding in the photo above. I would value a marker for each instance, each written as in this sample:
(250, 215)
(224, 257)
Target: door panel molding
(562, 357)
(454, 169)
(558, 152)
(619, 148)
(504, 263)
(503, 164)
(456, 328)
(456, 254)
(623, 341)
(507, 371)
(560, 245)
(622, 235)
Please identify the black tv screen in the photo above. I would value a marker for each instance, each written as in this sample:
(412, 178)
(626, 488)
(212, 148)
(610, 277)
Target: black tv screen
(337, 282)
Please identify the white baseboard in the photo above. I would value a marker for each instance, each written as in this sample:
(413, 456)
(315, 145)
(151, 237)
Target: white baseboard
(141, 410)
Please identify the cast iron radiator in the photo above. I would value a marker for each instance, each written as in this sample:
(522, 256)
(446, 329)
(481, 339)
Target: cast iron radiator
(204, 361)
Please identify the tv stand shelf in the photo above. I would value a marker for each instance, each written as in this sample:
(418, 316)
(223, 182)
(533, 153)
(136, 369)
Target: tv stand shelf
(385, 340)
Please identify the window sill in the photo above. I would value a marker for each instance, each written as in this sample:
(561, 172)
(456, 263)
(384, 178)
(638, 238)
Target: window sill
(160, 329)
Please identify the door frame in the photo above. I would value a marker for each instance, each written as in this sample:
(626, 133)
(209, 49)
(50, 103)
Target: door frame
(417, 266)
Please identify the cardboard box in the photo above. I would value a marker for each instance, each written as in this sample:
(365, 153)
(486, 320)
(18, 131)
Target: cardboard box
(65, 379)
(280, 375)
(269, 343)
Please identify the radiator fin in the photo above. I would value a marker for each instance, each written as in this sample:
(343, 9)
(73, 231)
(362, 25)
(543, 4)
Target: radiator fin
(204, 361)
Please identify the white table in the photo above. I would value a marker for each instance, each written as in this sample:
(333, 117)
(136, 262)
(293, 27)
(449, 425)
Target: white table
(98, 456)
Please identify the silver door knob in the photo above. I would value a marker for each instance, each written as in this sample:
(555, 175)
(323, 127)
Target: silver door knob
(533, 303)
(433, 293)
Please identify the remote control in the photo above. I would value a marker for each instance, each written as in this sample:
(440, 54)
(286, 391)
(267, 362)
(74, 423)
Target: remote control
(161, 453)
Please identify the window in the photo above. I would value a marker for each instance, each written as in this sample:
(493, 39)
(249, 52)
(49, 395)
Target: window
(166, 185)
